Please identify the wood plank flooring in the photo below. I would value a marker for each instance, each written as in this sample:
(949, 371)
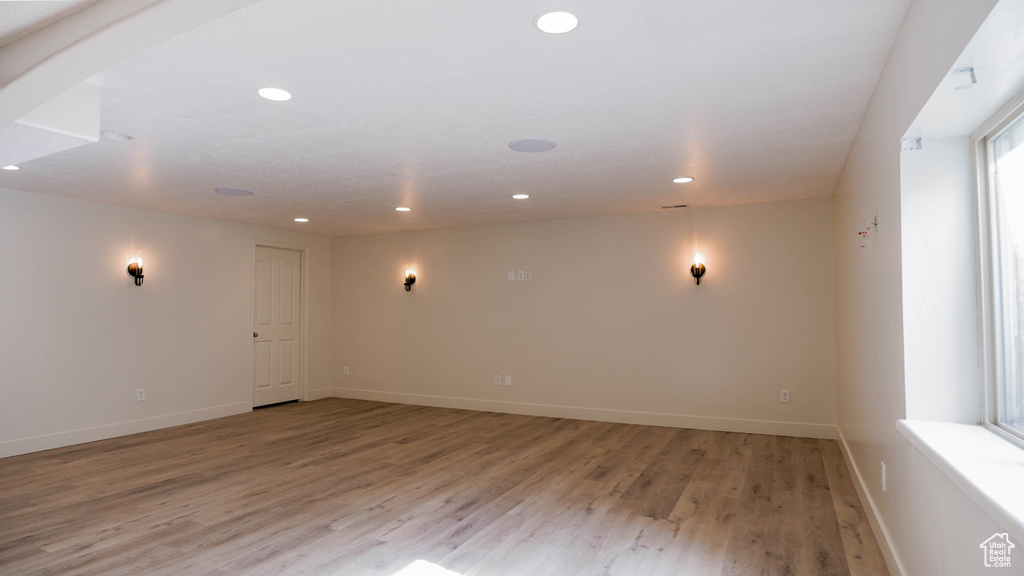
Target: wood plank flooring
(347, 487)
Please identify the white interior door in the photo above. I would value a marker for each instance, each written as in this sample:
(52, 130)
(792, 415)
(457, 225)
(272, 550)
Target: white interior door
(276, 371)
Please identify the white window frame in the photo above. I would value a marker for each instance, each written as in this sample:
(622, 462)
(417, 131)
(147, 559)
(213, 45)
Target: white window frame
(993, 361)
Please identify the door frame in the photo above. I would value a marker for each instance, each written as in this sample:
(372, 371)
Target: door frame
(303, 313)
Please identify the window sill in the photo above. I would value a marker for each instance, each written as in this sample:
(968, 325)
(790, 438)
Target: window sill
(989, 469)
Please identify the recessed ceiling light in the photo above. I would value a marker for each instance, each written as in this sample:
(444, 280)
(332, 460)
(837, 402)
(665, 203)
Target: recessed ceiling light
(683, 180)
(558, 22)
(11, 167)
(302, 219)
(403, 209)
(532, 145)
(520, 196)
(115, 135)
(275, 94)
(233, 191)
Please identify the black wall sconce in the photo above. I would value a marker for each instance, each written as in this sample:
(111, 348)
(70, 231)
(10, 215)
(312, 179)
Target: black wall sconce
(410, 279)
(697, 270)
(135, 268)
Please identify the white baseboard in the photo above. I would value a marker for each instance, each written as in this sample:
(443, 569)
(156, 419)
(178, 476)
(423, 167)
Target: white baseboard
(318, 394)
(72, 437)
(892, 559)
(827, 431)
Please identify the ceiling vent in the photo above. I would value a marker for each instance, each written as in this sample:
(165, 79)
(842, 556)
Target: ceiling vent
(532, 145)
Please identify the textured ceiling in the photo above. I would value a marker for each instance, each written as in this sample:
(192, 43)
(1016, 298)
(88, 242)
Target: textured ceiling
(403, 102)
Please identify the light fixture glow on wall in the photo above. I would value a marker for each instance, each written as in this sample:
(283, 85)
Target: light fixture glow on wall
(410, 279)
(135, 267)
(697, 269)
(12, 167)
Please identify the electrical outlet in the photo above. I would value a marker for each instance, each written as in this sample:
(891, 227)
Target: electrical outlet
(508, 380)
(521, 275)
(497, 379)
(784, 397)
(527, 275)
(511, 276)
(140, 394)
(884, 484)
(346, 370)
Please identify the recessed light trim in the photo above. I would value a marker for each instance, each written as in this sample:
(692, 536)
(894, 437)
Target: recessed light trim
(302, 219)
(557, 22)
(275, 94)
(12, 167)
(403, 209)
(115, 135)
(520, 196)
(233, 191)
(532, 145)
(682, 180)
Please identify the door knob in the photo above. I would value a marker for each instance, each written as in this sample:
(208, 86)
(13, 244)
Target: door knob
(255, 334)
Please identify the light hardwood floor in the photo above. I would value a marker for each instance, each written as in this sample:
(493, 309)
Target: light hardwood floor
(346, 487)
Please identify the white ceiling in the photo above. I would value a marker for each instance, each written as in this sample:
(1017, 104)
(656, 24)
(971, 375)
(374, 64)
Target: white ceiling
(19, 19)
(405, 102)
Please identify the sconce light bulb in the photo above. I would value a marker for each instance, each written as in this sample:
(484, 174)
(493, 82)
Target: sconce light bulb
(698, 269)
(135, 267)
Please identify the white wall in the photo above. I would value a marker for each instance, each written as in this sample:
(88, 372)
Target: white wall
(611, 325)
(82, 337)
(940, 286)
(931, 527)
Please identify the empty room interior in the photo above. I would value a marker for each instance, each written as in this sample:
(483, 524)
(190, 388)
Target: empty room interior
(396, 288)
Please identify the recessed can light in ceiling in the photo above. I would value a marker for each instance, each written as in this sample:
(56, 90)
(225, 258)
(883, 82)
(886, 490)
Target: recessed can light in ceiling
(557, 22)
(403, 209)
(520, 196)
(115, 135)
(532, 145)
(275, 94)
(233, 191)
(683, 180)
(11, 167)
(302, 219)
